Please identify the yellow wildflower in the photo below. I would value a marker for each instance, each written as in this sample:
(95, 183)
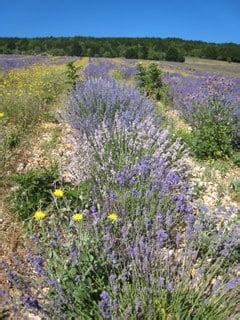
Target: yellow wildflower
(58, 193)
(1, 115)
(77, 216)
(39, 215)
(113, 216)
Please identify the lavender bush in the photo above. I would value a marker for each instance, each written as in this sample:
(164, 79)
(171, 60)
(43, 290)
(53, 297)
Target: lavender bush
(211, 104)
(105, 69)
(96, 70)
(189, 93)
(128, 72)
(98, 99)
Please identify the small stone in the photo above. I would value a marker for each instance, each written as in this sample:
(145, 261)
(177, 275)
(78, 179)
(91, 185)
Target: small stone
(31, 316)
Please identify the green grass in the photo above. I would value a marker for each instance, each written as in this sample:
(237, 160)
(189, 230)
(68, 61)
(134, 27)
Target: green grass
(213, 66)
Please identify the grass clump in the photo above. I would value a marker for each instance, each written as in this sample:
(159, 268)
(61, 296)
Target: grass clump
(117, 74)
(32, 191)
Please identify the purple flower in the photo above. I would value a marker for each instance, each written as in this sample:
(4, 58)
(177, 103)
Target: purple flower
(159, 218)
(31, 303)
(38, 264)
(170, 286)
(177, 238)
(105, 305)
(161, 281)
(231, 284)
(73, 253)
(162, 237)
(13, 279)
(172, 178)
(112, 279)
(215, 287)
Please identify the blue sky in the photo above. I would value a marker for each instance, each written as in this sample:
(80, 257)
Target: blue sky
(210, 20)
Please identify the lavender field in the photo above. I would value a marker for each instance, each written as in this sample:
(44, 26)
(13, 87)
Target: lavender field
(8, 62)
(123, 183)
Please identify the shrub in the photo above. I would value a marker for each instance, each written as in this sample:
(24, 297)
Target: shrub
(213, 131)
(72, 74)
(184, 135)
(33, 191)
(149, 81)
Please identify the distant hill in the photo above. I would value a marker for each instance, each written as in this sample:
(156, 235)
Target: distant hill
(172, 49)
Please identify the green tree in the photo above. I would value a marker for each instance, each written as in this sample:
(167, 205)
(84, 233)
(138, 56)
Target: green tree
(131, 53)
(211, 52)
(76, 49)
(141, 48)
(153, 54)
(173, 54)
(107, 54)
(142, 52)
(57, 52)
(149, 80)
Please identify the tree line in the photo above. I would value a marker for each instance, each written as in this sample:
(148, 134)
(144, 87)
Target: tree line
(171, 49)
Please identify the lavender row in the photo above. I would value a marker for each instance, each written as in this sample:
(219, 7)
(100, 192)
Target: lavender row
(191, 92)
(8, 62)
(100, 99)
(103, 69)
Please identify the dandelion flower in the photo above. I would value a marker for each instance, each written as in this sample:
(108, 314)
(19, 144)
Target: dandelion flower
(58, 193)
(113, 216)
(77, 216)
(1, 115)
(39, 215)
